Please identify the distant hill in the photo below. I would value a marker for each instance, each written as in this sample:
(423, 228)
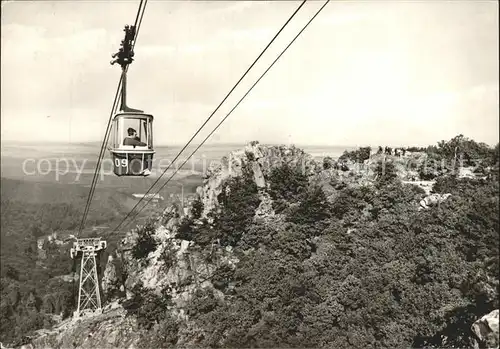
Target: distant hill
(54, 192)
(40, 192)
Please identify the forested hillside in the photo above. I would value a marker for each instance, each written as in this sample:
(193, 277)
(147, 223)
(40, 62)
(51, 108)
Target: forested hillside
(33, 294)
(367, 269)
(362, 267)
(305, 256)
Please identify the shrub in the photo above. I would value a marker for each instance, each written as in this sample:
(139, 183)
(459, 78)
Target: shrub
(168, 257)
(238, 200)
(148, 307)
(385, 172)
(312, 211)
(197, 208)
(186, 230)
(328, 163)
(287, 186)
(202, 302)
(146, 242)
(461, 148)
(222, 276)
(359, 155)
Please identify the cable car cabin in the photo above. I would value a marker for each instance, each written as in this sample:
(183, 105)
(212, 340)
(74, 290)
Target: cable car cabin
(132, 144)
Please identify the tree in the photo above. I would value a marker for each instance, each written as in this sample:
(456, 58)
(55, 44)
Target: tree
(11, 273)
(146, 242)
(287, 185)
(148, 307)
(461, 148)
(238, 200)
(385, 172)
(312, 211)
(197, 208)
(359, 155)
(328, 163)
(36, 232)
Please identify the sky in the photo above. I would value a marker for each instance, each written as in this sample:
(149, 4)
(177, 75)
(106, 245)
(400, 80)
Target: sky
(363, 73)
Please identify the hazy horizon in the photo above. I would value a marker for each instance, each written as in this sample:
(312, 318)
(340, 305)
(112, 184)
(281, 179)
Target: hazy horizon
(238, 144)
(363, 73)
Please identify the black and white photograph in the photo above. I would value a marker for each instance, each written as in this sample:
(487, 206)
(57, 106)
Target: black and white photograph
(193, 174)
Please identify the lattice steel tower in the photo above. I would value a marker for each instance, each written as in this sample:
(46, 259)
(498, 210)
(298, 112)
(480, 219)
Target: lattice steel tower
(89, 297)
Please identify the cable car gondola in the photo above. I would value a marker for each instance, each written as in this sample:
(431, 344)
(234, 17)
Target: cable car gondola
(132, 129)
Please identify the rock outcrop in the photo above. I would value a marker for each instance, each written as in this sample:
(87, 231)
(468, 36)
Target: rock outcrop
(261, 160)
(111, 329)
(174, 264)
(111, 279)
(182, 267)
(486, 330)
(433, 200)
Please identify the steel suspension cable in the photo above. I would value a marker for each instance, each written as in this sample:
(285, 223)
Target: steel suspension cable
(230, 112)
(98, 167)
(138, 26)
(138, 21)
(211, 115)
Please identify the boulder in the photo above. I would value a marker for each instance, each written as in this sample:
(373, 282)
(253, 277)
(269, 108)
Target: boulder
(486, 330)
(433, 200)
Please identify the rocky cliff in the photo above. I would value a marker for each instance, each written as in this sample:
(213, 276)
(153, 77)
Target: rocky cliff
(175, 264)
(181, 267)
(261, 160)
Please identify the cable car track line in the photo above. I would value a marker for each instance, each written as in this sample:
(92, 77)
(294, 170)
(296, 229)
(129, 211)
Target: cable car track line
(138, 21)
(211, 115)
(98, 166)
(138, 14)
(230, 112)
(138, 24)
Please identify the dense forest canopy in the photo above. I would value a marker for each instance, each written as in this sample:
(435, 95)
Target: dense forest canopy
(363, 268)
(368, 269)
(34, 288)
